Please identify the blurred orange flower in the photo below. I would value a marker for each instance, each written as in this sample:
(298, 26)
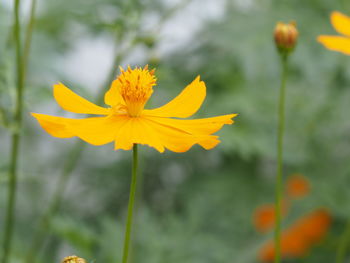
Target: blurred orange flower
(341, 24)
(125, 122)
(297, 240)
(264, 216)
(297, 186)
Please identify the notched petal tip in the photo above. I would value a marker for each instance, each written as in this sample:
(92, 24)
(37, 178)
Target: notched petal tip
(210, 143)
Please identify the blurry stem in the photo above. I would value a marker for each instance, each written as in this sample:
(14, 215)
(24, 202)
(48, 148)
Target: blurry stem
(28, 37)
(343, 244)
(3, 117)
(131, 204)
(15, 141)
(279, 174)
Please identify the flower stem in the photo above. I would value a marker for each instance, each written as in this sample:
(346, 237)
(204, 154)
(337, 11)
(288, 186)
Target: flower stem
(131, 204)
(28, 37)
(279, 174)
(15, 141)
(343, 244)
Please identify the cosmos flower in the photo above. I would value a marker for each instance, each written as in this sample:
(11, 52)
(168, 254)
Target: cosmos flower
(125, 121)
(298, 239)
(341, 24)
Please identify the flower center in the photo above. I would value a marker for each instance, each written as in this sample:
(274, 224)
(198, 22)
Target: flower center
(136, 87)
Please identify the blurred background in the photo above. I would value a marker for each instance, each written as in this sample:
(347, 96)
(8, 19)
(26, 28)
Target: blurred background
(195, 207)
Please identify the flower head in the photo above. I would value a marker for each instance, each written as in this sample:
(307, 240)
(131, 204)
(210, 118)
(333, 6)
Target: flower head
(341, 24)
(125, 121)
(286, 36)
(73, 259)
(136, 87)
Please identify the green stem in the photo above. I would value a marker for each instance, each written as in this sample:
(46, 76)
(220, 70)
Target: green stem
(28, 37)
(15, 141)
(131, 205)
(279, 175)
(343, 244)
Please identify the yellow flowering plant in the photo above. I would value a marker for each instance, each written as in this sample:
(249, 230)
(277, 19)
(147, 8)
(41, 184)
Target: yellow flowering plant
(127, 123)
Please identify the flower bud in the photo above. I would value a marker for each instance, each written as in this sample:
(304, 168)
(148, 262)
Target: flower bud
(286, 36)
(73, 259)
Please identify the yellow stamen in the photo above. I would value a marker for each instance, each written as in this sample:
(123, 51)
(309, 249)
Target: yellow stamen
(136, 87)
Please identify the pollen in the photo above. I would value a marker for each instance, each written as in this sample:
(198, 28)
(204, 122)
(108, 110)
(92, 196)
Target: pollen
(136, 87)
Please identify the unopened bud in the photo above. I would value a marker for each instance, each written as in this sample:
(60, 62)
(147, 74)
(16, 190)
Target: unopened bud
(286, 36)
(73, 259)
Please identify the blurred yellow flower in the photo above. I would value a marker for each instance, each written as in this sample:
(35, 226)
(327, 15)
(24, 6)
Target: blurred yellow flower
(73, 259)
(341, 24)
(126, 122)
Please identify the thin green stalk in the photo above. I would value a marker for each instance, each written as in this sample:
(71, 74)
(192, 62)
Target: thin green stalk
(279, 174)
(15, 142)
(28, 37)
(130, 205)
(343, 244)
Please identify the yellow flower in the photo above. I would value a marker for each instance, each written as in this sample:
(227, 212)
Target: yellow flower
(73, 259)
(341, 23)
(125, 122)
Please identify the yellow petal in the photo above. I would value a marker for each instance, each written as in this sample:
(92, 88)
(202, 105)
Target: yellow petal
(137, 131)
(341, 23)
(98, 130)
(196, 126)
(158, 136)
(185, 104)
(177, 140)
(72, 102)
(55, 126)
(336, 43)
(112, 96)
